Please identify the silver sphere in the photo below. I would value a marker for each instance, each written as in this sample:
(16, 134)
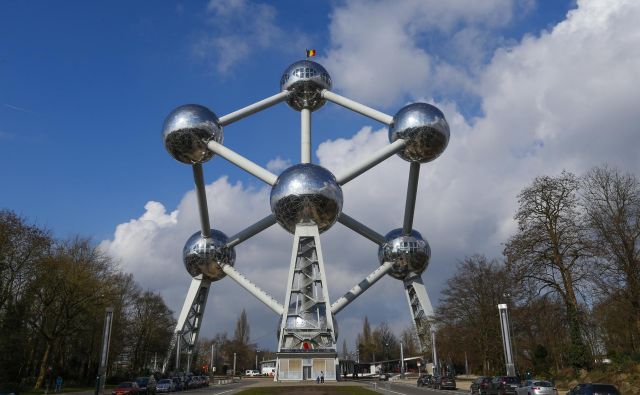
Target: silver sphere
(306, 194)
(409, 254)
(187, 130)
(205, 255)
(305, 79)
(425, 129)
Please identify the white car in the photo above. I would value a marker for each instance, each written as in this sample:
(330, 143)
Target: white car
(536, 387)
(252, 373)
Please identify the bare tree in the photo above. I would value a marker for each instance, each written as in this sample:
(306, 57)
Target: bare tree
(467, 315)
(550, 248)
(612, 202)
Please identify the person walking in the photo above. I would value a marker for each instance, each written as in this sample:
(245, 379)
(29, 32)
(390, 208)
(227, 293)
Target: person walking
(322, 377)
(59, 384)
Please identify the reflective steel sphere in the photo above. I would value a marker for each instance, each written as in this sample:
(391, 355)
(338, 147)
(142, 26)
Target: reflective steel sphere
(409, 254)
(305, 79)
(204, 255)
(187, 130)
(424, 128)
(305, 194)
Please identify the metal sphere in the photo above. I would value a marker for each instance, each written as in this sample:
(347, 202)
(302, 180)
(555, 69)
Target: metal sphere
(305, 79)
(409, 254)
(205, 255)
(306, 194)
(424, 128)
(187, 130)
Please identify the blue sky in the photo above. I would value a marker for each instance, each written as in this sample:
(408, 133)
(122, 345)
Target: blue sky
(529, 87)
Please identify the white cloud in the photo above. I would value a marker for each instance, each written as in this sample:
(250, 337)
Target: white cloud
(564, 99)
(377, 50)
(278, 164)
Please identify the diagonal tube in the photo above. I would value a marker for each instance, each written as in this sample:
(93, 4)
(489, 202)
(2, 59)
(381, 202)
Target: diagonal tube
(198, 178)
(253, 108)
(361, 229)
(251, 231)
(242, 162)
(359, 288)
(357, 107)
(410, 205)
(376, 158)
(253, 289)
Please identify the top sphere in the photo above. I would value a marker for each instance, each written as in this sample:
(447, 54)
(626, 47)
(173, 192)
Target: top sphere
(409, 254)
(424, 128)
(305, 80)
(306, 194)
(187, 130)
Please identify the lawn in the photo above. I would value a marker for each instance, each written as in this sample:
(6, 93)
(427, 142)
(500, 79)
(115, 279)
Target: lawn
(307, 390)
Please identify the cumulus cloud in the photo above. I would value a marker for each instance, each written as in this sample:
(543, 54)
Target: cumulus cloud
(564, 99)
(379, 50)
(278, 164)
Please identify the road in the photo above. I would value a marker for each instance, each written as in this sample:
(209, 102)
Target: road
(220, 389)
(392, 388)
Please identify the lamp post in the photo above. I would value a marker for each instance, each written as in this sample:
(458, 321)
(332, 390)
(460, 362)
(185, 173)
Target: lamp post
(401, 360)
(506, 339)
(257, 351)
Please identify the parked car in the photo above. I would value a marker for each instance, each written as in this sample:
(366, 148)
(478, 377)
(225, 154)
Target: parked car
(179, 384)
(426, 380)
(503, 385)
(479, 386)
(536, 387)
(384, 376)
(126, 388)
(593, 389)
(444, 382)
(147, 385)
(165, 385)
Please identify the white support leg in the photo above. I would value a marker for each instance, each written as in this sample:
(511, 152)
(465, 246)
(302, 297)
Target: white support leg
(361, 229)
(410, 205)
(367, 164)
(253, 108)
(198, 178)
(357, 107)
(253, 289)
(359, 288)
(305, 136)
(242, 162)
(189, 321)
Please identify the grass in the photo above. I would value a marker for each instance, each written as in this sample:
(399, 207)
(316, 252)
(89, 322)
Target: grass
(307, 390)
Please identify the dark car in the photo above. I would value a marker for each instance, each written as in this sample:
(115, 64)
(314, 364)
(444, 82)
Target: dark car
(594, 389)
(384, 376)
(479, 386)
(503, 385)
(179, 383)
(426, 380)
(147, 385)
(444, 382)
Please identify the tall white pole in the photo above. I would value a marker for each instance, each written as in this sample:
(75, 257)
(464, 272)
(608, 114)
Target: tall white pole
(401, 360)
(506, 340)
(211, 364)
(234, 364)
(106, 340)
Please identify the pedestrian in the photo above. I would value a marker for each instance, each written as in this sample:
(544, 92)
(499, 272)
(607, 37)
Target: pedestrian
(322, 377)
(59, 384)
(318, 380)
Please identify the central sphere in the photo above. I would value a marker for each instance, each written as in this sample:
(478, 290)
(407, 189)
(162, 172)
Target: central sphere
(409, 254)
(306, 194)
(305, 80)
(206, 255)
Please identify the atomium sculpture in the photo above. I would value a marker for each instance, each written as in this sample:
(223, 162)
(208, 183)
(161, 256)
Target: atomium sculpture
(306, 200)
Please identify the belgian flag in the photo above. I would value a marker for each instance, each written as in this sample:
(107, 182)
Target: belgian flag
(311, 53)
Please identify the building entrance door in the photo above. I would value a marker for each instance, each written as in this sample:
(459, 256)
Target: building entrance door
(306, 372)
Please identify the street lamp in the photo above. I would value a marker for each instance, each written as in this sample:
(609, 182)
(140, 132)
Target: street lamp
(257, 351)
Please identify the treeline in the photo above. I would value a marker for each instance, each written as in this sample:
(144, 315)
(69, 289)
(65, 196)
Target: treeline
(53, 296)
(570, 277)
